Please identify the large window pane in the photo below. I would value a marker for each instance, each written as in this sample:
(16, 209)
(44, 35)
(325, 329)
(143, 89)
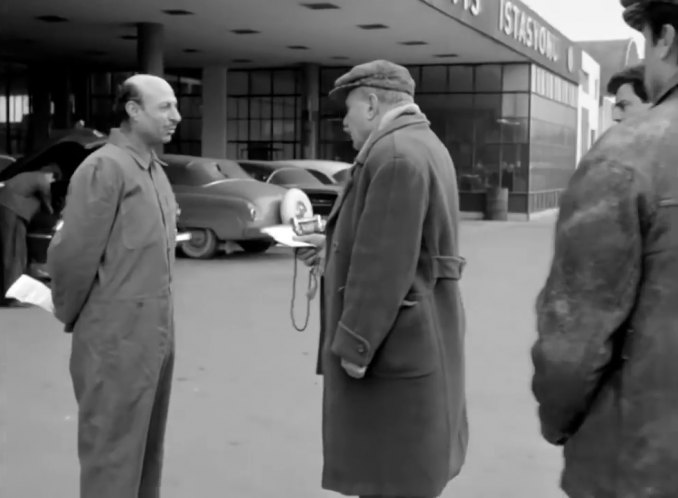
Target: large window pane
(261, 82)
(487, 116)
(100, 84)
(515, 168)
(328, 77)
(516, 78)
(285, 82)
(460, 79)
(237, 83)
(487, 163)
(488, 78)
(243, 108)
(515, 105)
(434, 79)
(415, 72)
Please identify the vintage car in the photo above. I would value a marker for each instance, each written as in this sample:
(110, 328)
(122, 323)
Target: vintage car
(218, 201)
(322, 196)
(5, 161)
(66, 154)
(328, 172)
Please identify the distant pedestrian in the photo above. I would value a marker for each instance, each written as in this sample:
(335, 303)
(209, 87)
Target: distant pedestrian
(21, 199)
(628, 88)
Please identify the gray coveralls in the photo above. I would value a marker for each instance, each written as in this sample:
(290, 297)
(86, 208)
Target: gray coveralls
(111, 267)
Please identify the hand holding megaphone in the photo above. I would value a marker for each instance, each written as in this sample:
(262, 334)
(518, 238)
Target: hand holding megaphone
(311, 256)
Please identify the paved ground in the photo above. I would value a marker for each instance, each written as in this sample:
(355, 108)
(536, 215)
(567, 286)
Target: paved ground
(245, 416)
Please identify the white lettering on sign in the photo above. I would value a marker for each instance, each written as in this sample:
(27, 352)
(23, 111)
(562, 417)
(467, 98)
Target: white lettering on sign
(473, 6)
(521, 26)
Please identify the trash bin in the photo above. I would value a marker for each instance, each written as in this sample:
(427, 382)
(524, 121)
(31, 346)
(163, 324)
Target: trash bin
(496, 203)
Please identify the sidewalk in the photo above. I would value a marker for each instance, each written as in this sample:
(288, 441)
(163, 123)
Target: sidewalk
(245, 419)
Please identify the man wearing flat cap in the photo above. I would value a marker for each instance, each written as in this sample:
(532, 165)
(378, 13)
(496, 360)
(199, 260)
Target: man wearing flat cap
(606, 369)
(392, 333)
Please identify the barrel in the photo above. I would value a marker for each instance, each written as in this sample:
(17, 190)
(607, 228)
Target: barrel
(496, 203)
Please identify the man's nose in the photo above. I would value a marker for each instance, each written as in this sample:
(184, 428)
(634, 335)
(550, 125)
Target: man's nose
(617, 114)
(175, 115)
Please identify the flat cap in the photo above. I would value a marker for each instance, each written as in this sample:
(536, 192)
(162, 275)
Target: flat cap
(381, 74)
(635, 10)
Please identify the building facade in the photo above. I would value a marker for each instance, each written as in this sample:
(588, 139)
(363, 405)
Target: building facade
(589, 108)
(505, 101)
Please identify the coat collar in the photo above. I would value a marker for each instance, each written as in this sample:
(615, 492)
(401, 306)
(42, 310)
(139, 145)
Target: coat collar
(405, 116)
(392, 121)
(120, 139)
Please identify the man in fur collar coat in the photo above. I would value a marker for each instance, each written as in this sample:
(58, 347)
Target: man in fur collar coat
(606, 375)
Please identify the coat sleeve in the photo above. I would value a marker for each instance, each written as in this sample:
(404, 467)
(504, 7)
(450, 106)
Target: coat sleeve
(384, 258)
(76, 250)
(589, 293)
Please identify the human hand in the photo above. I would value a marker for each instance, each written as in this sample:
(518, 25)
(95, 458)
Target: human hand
(311, 255)
(353, 370)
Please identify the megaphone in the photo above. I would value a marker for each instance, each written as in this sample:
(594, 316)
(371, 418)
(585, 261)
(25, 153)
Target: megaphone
(296, 210)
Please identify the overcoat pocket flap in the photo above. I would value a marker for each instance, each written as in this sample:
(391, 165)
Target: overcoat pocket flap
(450, 267)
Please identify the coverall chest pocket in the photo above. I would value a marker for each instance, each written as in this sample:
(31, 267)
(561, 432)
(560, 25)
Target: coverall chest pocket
(141, 224)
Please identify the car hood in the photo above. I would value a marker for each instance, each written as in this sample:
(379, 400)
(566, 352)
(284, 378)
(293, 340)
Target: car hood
(315, 188)
(251, 190)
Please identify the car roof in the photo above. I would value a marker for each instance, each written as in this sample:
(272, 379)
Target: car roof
(86, 138)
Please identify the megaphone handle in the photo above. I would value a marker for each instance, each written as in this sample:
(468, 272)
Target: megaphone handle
(311, 289)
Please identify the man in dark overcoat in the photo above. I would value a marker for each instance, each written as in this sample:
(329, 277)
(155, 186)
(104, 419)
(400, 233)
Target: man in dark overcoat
(606, 369)
(392, 334)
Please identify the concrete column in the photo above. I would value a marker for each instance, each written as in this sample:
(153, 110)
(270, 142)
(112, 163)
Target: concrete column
(310, 114)
(150, 41)
(214, 112)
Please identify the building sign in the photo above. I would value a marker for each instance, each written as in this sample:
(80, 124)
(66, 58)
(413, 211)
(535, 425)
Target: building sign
(515, 22)
(472, 6)
(515, 25)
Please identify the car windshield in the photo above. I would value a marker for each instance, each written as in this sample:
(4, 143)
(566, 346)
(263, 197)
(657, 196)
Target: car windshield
(194, 174)
(289, 176)
(232, 170)
(321, 176)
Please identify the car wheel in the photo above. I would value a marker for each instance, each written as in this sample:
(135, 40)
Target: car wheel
(203, 244)
(255, 246)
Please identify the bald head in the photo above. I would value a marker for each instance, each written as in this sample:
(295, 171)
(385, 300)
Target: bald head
(146, 104)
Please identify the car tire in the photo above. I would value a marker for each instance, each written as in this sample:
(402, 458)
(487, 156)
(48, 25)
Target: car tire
(203, 244)
(255, 246)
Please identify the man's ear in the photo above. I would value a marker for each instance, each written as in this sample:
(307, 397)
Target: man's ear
(666, 44)
(373, 106)
(132, 108)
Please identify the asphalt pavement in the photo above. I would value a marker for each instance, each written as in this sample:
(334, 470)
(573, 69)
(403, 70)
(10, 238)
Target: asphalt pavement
(245, 413)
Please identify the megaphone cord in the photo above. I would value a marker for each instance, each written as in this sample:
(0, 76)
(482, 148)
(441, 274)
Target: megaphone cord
(311, 289)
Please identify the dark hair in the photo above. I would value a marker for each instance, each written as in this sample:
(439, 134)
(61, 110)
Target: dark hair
(126, 92)
(658, 14)
(632, 75)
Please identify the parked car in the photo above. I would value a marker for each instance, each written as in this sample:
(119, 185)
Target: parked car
(328, 172)
(5, 161)
(221, 203)
(218, 201)
(66, 153)
(322, 196)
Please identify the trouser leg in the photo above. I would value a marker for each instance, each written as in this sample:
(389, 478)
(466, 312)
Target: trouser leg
(116, 396)
(153, 458)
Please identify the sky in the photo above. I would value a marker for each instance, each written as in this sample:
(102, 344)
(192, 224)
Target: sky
(586, 19)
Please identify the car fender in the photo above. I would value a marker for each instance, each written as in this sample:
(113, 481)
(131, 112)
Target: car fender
(227, 217)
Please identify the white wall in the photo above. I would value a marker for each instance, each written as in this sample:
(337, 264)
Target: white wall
(589, 98)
